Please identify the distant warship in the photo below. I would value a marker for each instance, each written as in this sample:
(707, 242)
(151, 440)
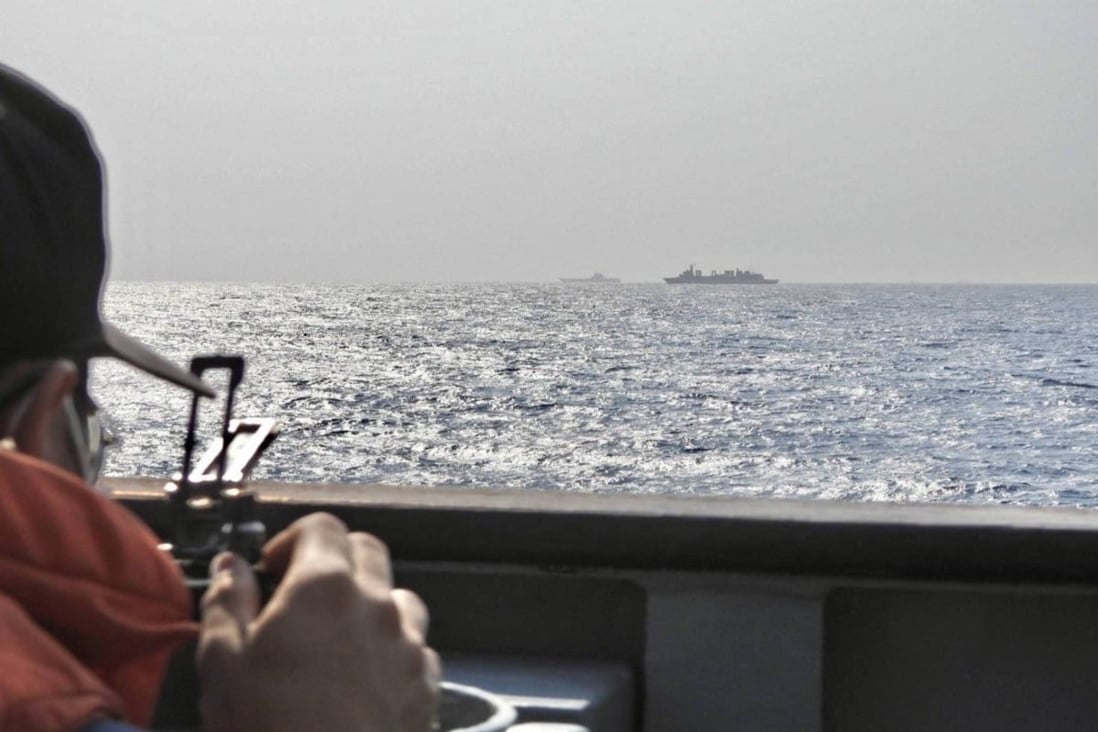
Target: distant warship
(597, 277)
(728, 277)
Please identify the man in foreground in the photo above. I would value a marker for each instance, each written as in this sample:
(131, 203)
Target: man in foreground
(90, 609)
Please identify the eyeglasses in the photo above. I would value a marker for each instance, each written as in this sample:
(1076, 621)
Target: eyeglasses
(90, 435)
(88, 430)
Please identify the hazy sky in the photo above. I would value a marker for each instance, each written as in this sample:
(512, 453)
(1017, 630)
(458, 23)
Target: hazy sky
(533, 139)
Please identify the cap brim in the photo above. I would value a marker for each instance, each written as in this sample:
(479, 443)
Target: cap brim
(135, 353)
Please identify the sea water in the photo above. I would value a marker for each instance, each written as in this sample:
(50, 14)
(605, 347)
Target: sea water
(855, 392)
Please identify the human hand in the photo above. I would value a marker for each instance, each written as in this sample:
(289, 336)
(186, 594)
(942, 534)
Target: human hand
(336, 648)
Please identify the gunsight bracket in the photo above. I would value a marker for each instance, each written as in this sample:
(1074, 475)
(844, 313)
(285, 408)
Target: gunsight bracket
(212, 510)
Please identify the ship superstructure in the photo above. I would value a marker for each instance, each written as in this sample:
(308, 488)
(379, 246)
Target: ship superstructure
(694, 276)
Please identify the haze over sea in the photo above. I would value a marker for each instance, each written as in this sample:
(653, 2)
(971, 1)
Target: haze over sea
(856, 392)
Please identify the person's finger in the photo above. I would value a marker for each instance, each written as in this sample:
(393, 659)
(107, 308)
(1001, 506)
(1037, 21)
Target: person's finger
(316, 537)
(421, 704)
(371, 558)
(233, 593)
(413, 614)
(228, 608)
(418, 713)
(315, 559)
(432, 668)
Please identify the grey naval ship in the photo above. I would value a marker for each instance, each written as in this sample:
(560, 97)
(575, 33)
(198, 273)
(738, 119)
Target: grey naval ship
(598, 277)
(693, 276)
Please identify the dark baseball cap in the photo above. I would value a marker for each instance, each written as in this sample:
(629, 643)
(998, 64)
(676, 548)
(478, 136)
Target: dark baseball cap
(53, 245)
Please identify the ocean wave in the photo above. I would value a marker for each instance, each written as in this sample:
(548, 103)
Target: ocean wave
(870, 394)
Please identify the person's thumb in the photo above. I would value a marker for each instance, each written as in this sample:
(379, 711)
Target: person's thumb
(228, 609)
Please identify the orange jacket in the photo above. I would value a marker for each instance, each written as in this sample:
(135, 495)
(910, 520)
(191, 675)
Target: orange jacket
(90, 609)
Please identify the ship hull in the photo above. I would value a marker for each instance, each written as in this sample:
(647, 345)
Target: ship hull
(658, 612)
(715, 281)
(694, 276)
